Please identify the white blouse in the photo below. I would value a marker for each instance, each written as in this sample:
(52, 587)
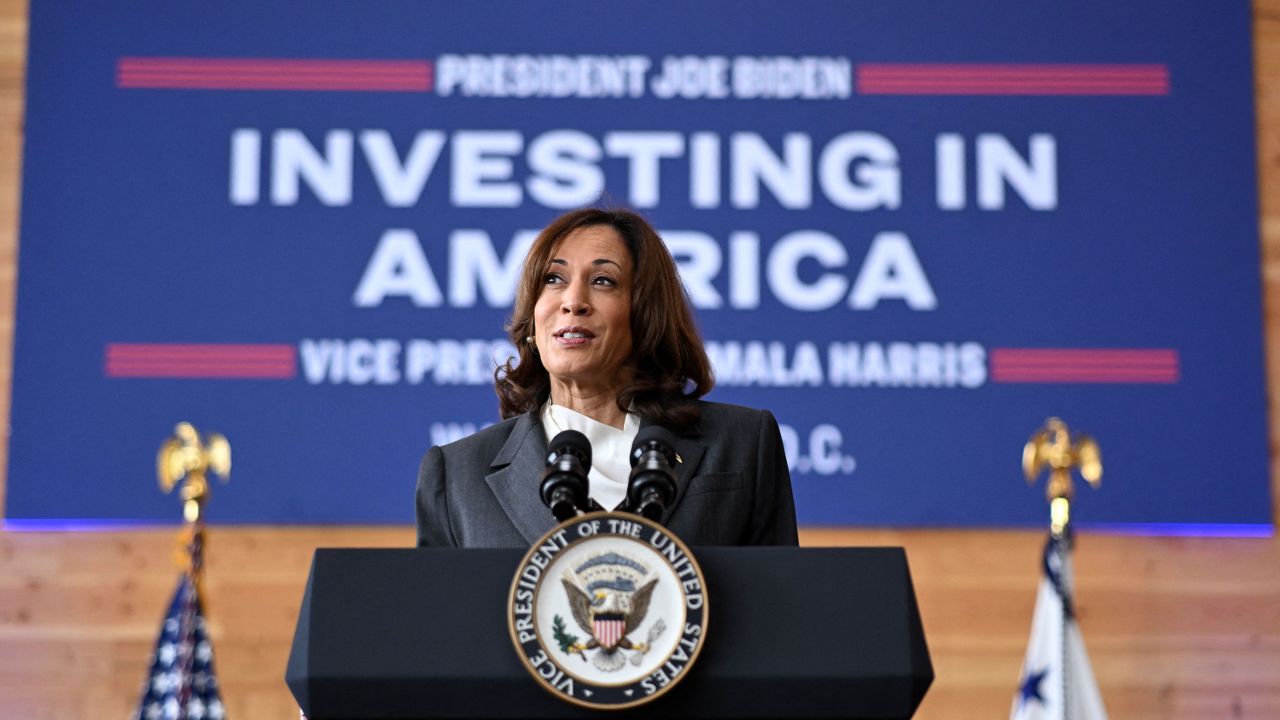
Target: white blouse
(610, 450)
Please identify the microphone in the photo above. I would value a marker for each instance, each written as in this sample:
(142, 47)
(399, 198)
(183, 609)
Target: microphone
(652, 485)
(564, 482)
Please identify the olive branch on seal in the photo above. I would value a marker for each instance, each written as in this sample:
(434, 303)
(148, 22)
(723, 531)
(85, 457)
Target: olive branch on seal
(565, 640)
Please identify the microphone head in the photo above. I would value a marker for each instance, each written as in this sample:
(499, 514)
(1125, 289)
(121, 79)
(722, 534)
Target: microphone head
(564, 487)
(653, 437)
(573, 442)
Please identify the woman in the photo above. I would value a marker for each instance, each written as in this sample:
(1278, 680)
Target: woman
(606, 344)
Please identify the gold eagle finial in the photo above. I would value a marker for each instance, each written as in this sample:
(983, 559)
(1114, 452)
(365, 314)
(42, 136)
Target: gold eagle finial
(1053, 447)
(185, 456)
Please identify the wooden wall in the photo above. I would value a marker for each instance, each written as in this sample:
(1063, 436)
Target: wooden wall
(1177, 628)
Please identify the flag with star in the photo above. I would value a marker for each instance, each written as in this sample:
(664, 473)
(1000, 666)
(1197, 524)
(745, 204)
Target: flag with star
(181, 684)
(1056, 682)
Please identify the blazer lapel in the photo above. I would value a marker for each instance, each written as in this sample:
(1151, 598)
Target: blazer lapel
(518, 465)
(689, 454)
(514, 478)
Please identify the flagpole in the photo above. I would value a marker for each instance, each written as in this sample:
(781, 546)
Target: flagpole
(1062, 630)
(1053, 447)
(187, 458)
(181, 682)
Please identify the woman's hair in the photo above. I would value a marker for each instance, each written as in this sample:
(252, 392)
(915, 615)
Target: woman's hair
(668, 368)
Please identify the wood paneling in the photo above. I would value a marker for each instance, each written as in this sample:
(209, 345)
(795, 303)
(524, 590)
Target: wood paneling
(1177, 628)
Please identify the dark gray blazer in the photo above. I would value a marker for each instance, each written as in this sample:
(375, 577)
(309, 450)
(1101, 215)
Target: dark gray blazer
(733, 487)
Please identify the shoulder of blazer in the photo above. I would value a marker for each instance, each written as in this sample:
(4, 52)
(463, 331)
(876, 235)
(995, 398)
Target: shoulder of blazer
(495, 445)
(716, 417)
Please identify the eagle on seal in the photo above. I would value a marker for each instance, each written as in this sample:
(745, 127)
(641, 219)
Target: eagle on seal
(608, 612)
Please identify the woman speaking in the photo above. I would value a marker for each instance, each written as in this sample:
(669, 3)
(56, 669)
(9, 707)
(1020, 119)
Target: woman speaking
(607, 344)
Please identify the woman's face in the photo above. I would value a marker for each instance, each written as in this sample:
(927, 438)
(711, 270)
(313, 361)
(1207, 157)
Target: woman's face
(582, 318)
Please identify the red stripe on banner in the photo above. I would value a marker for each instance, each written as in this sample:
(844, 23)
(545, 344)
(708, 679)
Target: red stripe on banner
(1005, 379)
(264, 372)
(272, 361)
(187, 83)
(201, 350)
(1051, 370)
(273, 65)
(988, 89)
(1084, 365)
(1090, 70)
(1009, 79)
(1011, 89)
(1079, 356)
(274, 74)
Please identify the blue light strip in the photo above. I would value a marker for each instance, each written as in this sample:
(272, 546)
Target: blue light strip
(1206, 530)
(82, 525)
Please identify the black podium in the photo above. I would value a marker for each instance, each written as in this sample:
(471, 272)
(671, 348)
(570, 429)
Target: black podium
(793, 633)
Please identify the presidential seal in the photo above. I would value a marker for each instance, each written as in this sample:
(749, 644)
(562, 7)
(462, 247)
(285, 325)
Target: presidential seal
(608, 610)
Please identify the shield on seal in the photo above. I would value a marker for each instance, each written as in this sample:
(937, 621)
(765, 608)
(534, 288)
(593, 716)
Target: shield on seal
(609, 630)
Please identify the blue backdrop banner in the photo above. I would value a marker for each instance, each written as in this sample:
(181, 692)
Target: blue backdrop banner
(911, 229)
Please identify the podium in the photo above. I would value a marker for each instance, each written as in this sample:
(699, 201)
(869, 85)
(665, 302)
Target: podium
(792, 633)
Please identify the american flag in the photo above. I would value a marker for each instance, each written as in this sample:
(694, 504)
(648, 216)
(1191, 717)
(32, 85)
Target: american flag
(182, 684)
